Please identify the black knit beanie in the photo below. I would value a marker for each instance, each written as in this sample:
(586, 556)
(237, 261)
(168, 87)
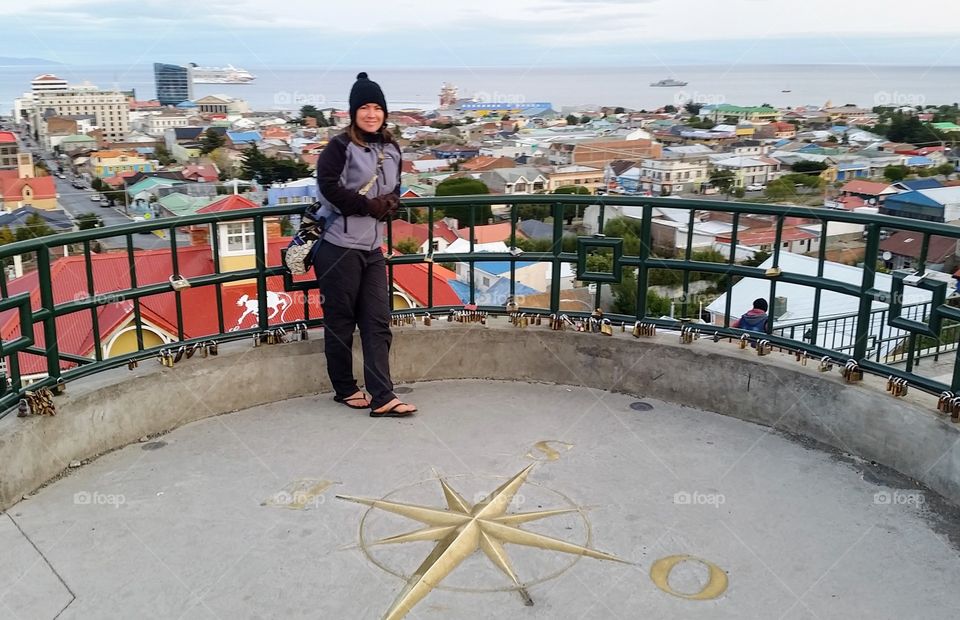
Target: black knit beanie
(366, 91)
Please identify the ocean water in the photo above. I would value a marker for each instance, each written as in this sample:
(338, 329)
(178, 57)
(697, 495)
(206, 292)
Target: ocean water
(288, 87)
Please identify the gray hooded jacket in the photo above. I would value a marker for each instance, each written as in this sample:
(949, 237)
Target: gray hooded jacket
(343, 169)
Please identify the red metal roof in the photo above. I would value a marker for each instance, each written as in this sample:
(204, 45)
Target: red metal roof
(865, 187)
(232, 202)
(11, 186)
(111, 273)
(7, 136)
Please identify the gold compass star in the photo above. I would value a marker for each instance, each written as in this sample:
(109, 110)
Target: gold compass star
(461, 529)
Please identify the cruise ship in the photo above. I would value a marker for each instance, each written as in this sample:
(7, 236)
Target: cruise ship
(220, 75)
(668, 82)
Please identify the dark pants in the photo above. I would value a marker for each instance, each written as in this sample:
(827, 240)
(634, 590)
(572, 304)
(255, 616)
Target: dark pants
(353, 289)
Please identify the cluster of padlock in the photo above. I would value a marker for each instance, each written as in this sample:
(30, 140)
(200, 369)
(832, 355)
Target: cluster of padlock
(644, 329)
(559, 322)
(403, 319)
(37, 402)
(467, 316)
(896, 386)
(522, 319)
(688, 334)
(169, 357)
(949, 403)
(802, 357)
(764, 347)
(852, 373)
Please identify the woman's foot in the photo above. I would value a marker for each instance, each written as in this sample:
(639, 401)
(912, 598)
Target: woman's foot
(357, 400)
(393, 409)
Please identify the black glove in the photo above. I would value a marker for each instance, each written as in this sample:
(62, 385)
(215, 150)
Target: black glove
(382, 207)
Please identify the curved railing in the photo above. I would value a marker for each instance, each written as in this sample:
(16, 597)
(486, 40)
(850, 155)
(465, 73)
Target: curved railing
(34, 300)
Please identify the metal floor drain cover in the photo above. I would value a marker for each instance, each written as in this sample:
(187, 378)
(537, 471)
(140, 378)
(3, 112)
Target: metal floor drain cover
(641, 406)
(153, 445)
(402, 390)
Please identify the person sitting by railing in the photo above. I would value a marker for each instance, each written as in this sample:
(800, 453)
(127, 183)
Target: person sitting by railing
(755, 319)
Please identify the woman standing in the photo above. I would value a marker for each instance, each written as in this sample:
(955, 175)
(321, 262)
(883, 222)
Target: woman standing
(358, 174)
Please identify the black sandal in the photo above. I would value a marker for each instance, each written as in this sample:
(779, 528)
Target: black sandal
(393, 413)
(347, 401)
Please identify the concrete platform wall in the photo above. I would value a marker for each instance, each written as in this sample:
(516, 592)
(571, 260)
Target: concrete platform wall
(119, 407)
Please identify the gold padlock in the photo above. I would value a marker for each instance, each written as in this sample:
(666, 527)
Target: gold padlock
(764, 347)
(826, 364)
(943, 404)
(743, 341)
(606, 327)
(955, 409)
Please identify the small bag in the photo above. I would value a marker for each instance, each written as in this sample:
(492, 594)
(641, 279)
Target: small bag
(298, 257)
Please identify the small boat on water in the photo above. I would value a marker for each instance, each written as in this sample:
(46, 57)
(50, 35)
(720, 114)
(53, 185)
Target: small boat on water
(668, 82)
(786, 90)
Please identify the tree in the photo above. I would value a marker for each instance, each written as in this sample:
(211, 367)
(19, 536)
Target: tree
(619, 110)
(86, 221)
(98, 185)
(809, 166)
(693, 108)
(571, 119)
(758, 258)
(407, 245)
(163, 155)
(255, 164)
(946, 169)
(895, 173)
(34, 227)
(572, 211)
(6, 236)
(723, 180)
(584, 119)
(670, 109)
(466, 187)
(309, 111)
(211, 141)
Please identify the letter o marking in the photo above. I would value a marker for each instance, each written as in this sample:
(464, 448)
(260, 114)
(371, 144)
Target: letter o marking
(716, 584)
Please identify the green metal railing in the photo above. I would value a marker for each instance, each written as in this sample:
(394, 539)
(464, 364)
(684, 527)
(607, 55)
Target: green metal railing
(39, 308)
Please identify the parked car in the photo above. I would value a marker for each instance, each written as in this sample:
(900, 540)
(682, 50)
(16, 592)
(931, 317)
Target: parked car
(96, 197)
(104, 203)
(756, 187)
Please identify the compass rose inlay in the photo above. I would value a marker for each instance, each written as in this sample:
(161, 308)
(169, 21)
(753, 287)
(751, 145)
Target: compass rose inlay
(463, 528)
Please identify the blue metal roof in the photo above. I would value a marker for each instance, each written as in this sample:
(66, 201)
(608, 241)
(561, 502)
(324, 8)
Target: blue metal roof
(244, 136)
(920, 183)
(500, 267)
(919, 160)
(910, 198)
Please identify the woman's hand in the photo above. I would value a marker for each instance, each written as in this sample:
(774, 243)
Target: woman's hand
(382, 206)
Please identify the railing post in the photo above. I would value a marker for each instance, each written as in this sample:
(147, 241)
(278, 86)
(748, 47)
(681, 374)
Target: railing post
(50, 346)
(866, 300)
(646, 232)
(557, 249)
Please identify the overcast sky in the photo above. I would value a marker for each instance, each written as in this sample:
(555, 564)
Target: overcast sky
(416, 33)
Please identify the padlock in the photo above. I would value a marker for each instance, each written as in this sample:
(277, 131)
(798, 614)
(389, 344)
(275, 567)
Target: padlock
(686, 335)
(852, 372)
(23, 408)
(902, 387)
(179, 355)
(890, 383)
(165, 358)
(606, 327)
(943, 403)
(280, 336)
(955, 409)
(131, 364)
(623, 328)
(539, 319)
(213, 347)
(304, 333)
(256, 340)
(483, 318)
(179, 282)
(743, 341)
(450, 317)
(764, 347)
(716, 336)
(636, 332)
(826, 364)
(60, 387)
(191, 350)
(427, 320)
(524, 320)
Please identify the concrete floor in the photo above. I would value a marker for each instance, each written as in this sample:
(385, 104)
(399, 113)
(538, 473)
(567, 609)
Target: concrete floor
(235, 516)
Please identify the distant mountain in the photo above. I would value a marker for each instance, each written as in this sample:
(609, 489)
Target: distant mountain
(6, 61)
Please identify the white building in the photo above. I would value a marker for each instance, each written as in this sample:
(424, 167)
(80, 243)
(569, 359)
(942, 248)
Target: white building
(110, 108)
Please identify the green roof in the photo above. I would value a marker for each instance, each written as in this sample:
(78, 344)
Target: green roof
(150, 183)
(78, 137)
(182, 204)
(946, 126)
(726, 107)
